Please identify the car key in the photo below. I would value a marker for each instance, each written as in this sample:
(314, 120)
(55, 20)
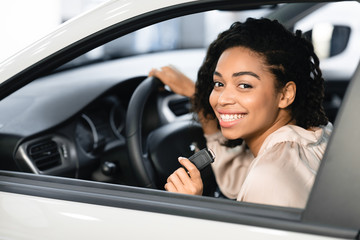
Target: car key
(202, 158)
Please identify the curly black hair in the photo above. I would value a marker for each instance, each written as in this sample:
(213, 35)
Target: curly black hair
(289, 57)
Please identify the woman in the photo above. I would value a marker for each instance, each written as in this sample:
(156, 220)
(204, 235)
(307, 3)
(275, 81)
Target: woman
(262, 86)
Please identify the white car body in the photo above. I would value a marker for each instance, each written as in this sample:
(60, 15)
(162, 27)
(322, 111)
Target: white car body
(38, 218)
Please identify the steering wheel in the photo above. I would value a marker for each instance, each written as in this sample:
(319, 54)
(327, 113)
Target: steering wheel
(155, 161)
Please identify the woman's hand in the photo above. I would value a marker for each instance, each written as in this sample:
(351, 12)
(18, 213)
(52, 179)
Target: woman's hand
(181, 84)
(185, 182)
(176, 80)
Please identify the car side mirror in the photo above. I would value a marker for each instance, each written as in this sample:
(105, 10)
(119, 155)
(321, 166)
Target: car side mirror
(329, 40)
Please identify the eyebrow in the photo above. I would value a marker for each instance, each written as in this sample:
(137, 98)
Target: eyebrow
(238, 74)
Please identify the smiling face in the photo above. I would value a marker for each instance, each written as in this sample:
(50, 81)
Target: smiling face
(244, 98)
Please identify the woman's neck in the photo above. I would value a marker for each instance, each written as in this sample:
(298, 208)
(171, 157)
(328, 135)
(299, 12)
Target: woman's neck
(256, 141)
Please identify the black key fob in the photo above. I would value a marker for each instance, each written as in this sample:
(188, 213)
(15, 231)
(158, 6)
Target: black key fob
(202, 158)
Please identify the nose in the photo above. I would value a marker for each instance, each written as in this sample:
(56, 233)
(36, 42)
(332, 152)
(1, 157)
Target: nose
(227, 97)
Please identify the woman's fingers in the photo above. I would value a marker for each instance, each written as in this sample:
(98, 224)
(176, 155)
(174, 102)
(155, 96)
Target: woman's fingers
(175, 178)
(185, 181)
(176, 80)
(169, 186)
(193, 172)
(194, 184)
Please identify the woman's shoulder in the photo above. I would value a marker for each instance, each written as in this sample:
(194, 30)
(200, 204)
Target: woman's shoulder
(307, 138)
(286, 165)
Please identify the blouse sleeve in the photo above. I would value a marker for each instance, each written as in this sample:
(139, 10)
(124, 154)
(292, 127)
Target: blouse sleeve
(229, 164)
(282, 176)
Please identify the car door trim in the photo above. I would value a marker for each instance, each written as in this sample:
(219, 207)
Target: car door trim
(158, 201)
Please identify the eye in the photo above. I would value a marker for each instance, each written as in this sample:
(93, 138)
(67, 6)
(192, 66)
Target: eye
(244, 85)
(218, 84)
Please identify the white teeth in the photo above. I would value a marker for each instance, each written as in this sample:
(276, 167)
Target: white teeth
(231, 117)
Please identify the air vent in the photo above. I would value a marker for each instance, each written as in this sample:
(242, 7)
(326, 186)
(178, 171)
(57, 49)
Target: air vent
(180, 106)
(45, 154)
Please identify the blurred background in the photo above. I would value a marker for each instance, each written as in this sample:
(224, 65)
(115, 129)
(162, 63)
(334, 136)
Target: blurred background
(24, 21)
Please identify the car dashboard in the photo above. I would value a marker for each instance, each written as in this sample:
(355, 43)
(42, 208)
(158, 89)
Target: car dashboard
(72, 123)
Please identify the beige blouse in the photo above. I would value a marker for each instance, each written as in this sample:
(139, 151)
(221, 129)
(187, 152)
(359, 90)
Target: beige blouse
(283, 172)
